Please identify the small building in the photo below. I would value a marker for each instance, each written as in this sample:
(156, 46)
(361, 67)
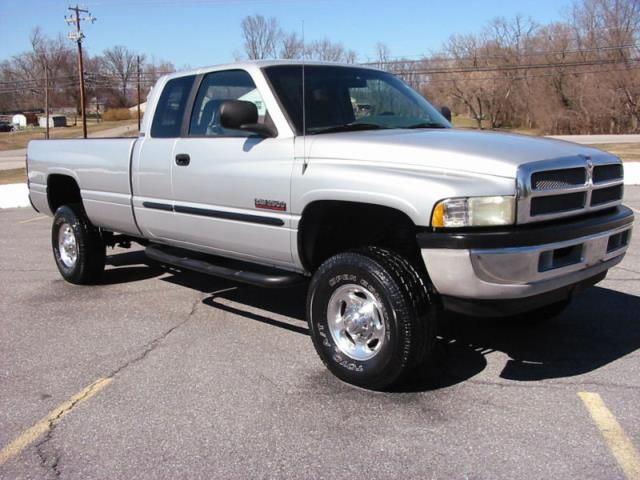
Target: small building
(19, 120)
(23, 120)
(54, 121)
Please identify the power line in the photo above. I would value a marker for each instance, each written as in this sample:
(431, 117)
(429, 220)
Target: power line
(400, 59)
(528, 77)
(502, 68)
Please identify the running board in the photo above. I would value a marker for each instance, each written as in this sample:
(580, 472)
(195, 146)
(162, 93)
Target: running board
(222, 267)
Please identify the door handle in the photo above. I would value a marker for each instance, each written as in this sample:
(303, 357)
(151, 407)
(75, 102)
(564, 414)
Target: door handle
(183, 159)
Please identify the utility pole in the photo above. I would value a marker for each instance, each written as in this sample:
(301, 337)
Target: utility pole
(46, 96)
(139, 94)
(77, 37)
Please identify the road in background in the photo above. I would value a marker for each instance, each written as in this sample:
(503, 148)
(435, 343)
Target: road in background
(206, 378)
(598, 139)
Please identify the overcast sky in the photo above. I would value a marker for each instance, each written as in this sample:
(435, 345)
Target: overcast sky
(204, 32)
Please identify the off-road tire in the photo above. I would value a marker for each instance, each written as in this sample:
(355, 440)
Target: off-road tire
(89, 265)
(408, 309)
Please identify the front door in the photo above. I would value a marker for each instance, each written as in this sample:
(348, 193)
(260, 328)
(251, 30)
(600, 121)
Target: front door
(231, 189)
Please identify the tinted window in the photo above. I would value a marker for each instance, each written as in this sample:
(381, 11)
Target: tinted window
(216, 88)
(350, 96)
(170, 110)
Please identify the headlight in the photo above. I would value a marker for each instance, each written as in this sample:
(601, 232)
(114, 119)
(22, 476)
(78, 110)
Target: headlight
(474, 212)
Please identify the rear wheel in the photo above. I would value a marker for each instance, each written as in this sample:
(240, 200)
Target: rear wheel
(78, 247)
(371, 317)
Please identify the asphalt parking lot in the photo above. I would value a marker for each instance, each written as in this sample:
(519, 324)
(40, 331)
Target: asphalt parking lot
(161, 374)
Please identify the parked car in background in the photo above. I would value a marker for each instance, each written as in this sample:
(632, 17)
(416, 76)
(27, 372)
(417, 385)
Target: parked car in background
(6, 127)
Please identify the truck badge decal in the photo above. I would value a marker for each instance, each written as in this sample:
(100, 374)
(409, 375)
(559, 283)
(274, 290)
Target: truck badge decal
(270, 205)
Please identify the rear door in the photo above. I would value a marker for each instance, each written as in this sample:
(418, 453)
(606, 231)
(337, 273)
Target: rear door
(231, 188)
(153, 161)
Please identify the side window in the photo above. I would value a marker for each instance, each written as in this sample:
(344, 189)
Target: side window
(217, 87)
(170, 110)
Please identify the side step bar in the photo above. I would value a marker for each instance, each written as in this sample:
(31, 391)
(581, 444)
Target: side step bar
(225, 268)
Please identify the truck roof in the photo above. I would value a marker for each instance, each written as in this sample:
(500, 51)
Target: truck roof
(250, 64)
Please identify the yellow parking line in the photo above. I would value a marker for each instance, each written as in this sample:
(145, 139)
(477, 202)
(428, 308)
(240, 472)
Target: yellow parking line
(34, 219)
(40, 428)
(617, 440)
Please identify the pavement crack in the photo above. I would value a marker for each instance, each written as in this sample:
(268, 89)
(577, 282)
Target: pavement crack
(155, 343)
(49, 458)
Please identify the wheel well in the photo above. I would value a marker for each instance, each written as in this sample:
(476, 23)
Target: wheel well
(62, 190)
(331, 227)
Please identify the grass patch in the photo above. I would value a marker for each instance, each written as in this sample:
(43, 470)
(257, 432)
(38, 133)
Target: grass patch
(470, 123)
(626, 151)
(17, 175)
(15, 140)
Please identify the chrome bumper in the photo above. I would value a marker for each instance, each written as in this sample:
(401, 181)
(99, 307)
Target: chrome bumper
(520, 272)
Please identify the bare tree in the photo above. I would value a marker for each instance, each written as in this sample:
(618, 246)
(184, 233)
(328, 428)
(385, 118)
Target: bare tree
(291, 46)
(326, 50)
(383, 55)
(261, 37)
(120, 64)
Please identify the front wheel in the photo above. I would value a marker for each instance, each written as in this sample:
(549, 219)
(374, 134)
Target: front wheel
(78, 247)
(371, 317)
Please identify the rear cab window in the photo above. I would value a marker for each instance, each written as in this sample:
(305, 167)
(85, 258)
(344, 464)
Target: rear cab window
(167, 120)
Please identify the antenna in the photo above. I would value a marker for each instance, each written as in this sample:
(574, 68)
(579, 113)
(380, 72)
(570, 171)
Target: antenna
(304, 106)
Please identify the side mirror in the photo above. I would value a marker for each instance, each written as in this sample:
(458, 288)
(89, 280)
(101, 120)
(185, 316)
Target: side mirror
(446, 113)
(241, 115)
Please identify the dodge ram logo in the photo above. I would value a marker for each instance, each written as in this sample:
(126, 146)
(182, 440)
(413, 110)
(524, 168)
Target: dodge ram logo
(270, 205)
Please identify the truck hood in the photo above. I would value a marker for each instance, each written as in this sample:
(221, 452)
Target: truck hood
(489, 153)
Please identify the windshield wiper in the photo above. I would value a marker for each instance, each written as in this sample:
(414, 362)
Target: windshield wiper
(350, 127)
(427, 125)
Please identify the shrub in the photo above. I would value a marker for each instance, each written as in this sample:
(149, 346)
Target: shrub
(119, 114)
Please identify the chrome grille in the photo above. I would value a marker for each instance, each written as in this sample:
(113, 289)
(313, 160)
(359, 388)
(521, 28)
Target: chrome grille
(558, 179)
(568, 186)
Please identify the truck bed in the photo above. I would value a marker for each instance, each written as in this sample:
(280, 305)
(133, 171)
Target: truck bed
(101, 168)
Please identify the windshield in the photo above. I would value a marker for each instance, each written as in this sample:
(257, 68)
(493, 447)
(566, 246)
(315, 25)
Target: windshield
(350, 98)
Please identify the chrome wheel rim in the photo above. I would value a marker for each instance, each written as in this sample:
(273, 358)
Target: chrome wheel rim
(67, 245)
(355, 321)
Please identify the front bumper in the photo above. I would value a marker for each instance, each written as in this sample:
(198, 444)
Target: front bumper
(498, 265)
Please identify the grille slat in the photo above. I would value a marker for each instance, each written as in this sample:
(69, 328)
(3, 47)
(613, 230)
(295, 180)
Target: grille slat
(607, 173)
(557, 203)
(606, 195)
(558, 179)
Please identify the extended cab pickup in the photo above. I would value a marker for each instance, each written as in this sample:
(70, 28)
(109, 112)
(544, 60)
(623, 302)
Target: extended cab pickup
(274, 173)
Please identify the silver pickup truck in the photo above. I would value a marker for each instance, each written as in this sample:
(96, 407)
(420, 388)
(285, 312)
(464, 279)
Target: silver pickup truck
(274, 173)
